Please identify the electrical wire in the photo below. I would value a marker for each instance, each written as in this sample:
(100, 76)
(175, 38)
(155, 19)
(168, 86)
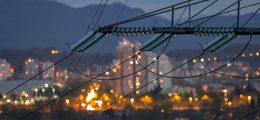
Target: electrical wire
(232, 76)
(31, 78)
(217, 14)
(182, 14)
(156, 12)
(187, 21)
(81, 86)
(135, 89)
(250, 18)
(41, 107)
(88, 76)
(97, 21)
(95, 14)
(202, 18)
(155, 80)
(65, 93)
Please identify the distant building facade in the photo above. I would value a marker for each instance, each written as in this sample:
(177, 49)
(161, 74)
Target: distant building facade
(5, 69)
(31, 67)
(125, 85)
(50, 73)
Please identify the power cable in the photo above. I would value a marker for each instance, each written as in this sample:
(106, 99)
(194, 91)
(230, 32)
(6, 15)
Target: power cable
(155, 80)
(217, 14)
(95, 14)
(31, 78)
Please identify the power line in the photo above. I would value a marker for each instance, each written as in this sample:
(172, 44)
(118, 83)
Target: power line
(217, 14)
(31, 78)
(95, 14)
(61, 60)
(155, 80)
(102, 10)
(224, 12)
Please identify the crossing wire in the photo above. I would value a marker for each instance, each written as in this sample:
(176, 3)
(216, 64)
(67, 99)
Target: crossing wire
(155, 80)
(31, 78)
(41, 107)
(224, 12)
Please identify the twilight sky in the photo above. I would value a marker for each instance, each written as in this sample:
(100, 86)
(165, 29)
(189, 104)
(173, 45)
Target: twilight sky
(149, 5)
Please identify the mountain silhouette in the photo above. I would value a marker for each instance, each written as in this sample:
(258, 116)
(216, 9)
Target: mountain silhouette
(25, 24)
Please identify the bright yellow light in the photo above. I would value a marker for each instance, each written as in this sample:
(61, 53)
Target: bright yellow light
(190, 99)
(224, 90)
(146, 99)
(249, 98)
(90, 95)
(27, 102)
(132, 100)
(225, 99)
(54, 52)
(177, 97)
(257, 53)
(139, 73)
(111, 91)
(67, 101)
(162, 110)
(8, 100)
(83, 104)
(205, 97)
(114, 70)
(229, 103)
(15, 102)
(241, 96)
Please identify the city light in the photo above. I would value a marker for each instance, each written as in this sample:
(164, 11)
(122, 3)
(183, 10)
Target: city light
(90, 95)
(132, 100)
(90, 108)
(46, 85)
(67, 102)
(107, 73)
(54, 52)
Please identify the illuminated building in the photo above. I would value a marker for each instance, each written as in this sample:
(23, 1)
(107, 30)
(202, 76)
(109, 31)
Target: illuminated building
(127, 84)
(161, 66)
(6, 70)
(31, 67)
(49, 74)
